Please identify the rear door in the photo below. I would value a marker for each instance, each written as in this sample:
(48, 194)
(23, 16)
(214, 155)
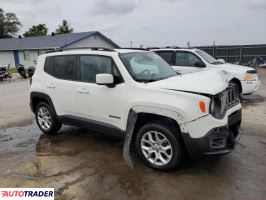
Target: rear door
(184, 62)
(99, 102)
(60, 83)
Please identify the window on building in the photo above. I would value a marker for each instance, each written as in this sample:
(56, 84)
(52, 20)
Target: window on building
(40, 52)
(91, 65)
(26, 55)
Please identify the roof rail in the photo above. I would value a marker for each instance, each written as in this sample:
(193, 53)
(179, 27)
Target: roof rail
(77, 48)
(168, 47)
(172, 47)
(144, 49)
(153, 48)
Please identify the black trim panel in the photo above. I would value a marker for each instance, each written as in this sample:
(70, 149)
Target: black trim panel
(116, 117)
(203, 94)
(92, 125)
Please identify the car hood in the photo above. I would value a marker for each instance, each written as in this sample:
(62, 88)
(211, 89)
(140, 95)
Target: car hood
(233, 68)
(207, 82)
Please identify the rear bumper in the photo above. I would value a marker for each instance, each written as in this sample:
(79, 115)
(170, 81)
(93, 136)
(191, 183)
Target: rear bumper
(249, 87)
(219, 140)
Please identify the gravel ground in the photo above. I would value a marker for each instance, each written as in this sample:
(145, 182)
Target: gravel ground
(81, 164)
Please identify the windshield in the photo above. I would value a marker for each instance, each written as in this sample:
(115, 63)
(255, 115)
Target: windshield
(207, 57)
(146, 66)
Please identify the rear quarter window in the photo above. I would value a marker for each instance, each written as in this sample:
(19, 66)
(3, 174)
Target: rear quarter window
(62, 67)
(65, 67)
(48, 65)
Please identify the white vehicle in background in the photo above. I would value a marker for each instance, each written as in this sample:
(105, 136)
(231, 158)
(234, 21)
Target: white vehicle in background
(136, 95)
(193, 60)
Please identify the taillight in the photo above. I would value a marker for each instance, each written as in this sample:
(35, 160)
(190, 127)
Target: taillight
(30, 80)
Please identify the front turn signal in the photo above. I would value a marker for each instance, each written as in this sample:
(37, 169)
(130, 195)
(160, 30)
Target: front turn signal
(202, 106)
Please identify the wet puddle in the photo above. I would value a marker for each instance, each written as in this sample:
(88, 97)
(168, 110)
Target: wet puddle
(84, 164)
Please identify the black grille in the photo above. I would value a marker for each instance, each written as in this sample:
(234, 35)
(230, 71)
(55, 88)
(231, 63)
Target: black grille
(229, 98)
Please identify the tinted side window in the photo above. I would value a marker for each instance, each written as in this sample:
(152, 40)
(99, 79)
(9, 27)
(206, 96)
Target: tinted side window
(91, 65)
(64, 67)
(167, 56)
(185, 59)
(48, 65)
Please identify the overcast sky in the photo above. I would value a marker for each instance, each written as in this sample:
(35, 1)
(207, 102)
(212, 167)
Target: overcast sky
(151, 22)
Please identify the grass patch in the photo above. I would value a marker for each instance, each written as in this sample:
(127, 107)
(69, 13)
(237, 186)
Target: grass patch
(13, 70)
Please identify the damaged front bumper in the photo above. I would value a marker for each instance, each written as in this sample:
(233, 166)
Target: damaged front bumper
(217, 141)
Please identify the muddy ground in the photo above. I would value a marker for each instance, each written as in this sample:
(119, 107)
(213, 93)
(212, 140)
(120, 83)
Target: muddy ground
(81, 164)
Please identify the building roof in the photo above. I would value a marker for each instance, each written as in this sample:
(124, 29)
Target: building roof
(49, 41)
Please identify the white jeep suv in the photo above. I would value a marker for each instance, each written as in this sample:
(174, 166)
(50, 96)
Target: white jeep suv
(136, 95)
(192, 60)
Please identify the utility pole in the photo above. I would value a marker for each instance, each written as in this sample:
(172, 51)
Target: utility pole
(131, 44)
(213, 49)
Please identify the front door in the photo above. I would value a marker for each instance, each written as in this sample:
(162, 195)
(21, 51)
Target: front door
(185, 62)
(98, 102)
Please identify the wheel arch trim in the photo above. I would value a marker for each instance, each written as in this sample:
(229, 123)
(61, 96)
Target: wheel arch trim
(180, 120)
(40, 95)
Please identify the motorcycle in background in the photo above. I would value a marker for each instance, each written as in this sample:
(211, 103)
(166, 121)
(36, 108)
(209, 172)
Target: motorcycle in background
(31, 69)
(5, 73)
(26, 73)
(22, 71)
(257, 62)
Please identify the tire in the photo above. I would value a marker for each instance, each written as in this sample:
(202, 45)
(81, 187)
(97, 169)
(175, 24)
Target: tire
(46, 119)
(174, 158)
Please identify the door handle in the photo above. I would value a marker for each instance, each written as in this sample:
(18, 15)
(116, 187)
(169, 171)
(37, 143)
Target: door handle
(83, 91)
(51, 85)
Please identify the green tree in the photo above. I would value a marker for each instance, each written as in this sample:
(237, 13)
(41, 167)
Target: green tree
(9, 24)
(64, 28)
(37, 30)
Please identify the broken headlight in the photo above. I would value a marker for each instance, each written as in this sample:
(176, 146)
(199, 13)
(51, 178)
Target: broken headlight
(217, 106)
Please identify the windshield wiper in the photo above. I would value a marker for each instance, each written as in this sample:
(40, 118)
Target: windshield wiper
(146, 80)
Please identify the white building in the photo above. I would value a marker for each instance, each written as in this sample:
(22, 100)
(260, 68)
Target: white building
(25, 50)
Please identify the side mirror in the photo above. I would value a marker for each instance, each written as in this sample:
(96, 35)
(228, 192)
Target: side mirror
(199, 64)
(105, 79)
(222, 61)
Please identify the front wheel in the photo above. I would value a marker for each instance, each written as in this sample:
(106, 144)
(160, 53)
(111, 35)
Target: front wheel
(158, 146)
(46, 120)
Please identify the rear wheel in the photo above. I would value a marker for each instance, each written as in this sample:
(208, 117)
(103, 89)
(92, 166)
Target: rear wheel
(158, 146)
(46, 119)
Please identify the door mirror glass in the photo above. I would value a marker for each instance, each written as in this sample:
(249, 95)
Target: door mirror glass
(105, 79)
(199, 64)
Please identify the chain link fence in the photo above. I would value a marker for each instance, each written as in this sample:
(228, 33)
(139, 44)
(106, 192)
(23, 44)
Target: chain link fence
(240, 54)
